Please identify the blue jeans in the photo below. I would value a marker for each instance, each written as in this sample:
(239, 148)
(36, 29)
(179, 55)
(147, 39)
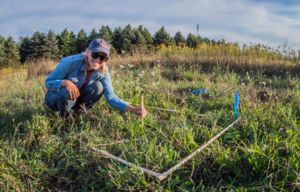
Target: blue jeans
(89, 94)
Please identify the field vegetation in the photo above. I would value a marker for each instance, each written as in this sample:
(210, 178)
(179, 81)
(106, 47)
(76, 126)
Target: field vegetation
(41, 152)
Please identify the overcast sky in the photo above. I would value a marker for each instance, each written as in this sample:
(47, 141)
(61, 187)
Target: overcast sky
(271, 22)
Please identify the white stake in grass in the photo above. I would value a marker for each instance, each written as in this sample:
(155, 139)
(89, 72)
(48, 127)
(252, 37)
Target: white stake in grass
(108, 155)
(162, 176)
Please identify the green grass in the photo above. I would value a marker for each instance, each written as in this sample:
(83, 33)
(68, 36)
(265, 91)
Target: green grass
(39, 152)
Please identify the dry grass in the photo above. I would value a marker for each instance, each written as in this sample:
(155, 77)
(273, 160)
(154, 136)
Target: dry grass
(40, 67)
(6, 78)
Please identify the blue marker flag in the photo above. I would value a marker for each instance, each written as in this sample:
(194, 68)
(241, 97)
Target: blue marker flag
(236, 105)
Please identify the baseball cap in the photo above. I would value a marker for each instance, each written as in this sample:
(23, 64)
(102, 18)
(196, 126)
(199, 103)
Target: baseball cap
(99, 45)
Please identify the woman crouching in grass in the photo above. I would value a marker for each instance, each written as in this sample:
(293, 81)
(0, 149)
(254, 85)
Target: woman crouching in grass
(80, 80)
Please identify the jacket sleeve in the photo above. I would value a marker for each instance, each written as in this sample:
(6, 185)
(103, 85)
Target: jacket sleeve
(54, 80)
(113, 100)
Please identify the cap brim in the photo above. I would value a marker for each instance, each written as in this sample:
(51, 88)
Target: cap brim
(101, 49)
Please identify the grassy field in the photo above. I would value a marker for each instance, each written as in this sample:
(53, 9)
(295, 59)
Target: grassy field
(39, 152)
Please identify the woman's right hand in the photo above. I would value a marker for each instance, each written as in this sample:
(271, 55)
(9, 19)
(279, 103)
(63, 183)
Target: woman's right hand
(139, 110)
(71, 88)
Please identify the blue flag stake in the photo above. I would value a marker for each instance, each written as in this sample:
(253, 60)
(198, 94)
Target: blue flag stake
(236, 105)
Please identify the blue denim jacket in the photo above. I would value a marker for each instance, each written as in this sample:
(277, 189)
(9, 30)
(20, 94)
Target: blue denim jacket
(73, 68)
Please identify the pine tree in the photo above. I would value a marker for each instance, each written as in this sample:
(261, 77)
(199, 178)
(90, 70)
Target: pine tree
(38, 45)
(106, 33)
(26, 49)
(11, 52)
(117, 39)
(191, 41)
(81, 41)
(179, 38)
(73, 43)
(139, 40)
(51, 49)
(147, 36)
(93, 35)
(162, 37)
(2, 53)
(66, 43)
(128, 38)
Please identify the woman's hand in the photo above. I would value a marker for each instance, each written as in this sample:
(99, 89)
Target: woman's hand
(139, 110)
(71, 88)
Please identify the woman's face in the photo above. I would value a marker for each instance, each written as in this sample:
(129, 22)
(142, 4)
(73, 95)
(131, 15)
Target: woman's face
(95, 62)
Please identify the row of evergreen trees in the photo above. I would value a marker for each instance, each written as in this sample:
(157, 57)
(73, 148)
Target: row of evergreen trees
(54, 46)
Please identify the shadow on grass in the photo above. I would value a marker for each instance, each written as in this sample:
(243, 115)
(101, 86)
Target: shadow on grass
(200, 105)
(14, 121)
(237, 173)
(172, 75)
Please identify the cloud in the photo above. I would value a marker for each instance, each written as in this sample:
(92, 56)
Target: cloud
(269, 22)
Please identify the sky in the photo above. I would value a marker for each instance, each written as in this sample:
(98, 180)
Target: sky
(270, 22)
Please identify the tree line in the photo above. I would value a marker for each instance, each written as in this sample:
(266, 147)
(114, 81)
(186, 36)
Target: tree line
(123, 40)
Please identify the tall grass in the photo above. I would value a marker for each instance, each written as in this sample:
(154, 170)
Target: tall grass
(255, 58)
(39, 67)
